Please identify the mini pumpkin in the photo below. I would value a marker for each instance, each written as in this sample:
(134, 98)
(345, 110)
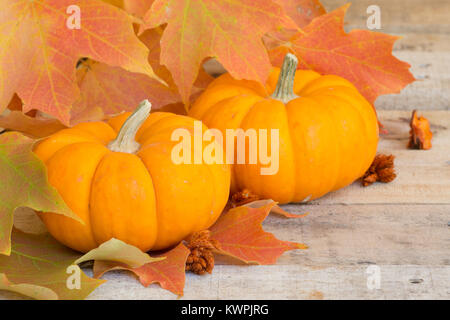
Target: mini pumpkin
(119, 178)
(328, 132)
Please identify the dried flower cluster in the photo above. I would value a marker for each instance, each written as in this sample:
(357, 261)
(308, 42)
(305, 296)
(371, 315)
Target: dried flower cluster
(243, 197)
(420, 134)
(201, 258)
(381, 169)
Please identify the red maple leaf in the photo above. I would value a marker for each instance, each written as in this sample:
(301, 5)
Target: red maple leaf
(240, 234)
(229, 30)
(107, 90)
(39, 51)
(362, 57)
(169, 273)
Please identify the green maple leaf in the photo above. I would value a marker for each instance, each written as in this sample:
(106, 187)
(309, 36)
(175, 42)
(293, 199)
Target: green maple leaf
(23, 183)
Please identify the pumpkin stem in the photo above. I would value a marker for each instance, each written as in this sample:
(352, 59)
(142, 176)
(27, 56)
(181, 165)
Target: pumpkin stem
(284, 91)
(125, 141)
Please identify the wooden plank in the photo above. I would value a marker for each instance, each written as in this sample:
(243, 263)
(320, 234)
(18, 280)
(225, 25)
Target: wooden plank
(292, 282)
(286, 282)
(366, 234)
(400, 16)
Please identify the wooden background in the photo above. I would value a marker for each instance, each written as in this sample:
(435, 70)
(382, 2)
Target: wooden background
(402, 227)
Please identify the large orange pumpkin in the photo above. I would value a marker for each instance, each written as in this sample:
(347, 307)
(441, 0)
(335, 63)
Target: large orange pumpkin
(328, 132)
(124, 184)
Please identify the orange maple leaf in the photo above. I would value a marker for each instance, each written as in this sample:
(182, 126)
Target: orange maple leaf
(302, 11)
(362, 57)
(228, 30)
(240, 235)
(107, 90)
(30, 126)
(39, 51)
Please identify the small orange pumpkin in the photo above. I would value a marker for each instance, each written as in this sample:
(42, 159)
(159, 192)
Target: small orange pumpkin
(130, 189)
(328, 132)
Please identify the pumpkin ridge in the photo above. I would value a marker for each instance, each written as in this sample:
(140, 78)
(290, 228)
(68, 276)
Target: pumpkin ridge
(331, 115)
(88, 217)
(247, 118)
(224, 103)
(295, 156)
(220, 86)
(363, 121)
(121, 223)
(213, 202)
(99, 126)
(157, 196)
(318, 82)
(144, 128)
(211, 112)
(365, 155)
(81, 136)
(148, 137)
(90, 194)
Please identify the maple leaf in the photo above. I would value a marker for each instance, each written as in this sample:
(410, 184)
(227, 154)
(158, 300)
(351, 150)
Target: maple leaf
(15, 104)
(23, 183)
(38, 52)
(229, 30)
(107, 90)
(30, 126)
(39, 268)
(29, 290)
(302, 11)
(240, 235)
(169, 273)
(362, 57)
(118, 251)
(152, 39)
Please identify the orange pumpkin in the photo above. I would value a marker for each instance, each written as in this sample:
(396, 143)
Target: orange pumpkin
(124, 184)
(328, 132)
